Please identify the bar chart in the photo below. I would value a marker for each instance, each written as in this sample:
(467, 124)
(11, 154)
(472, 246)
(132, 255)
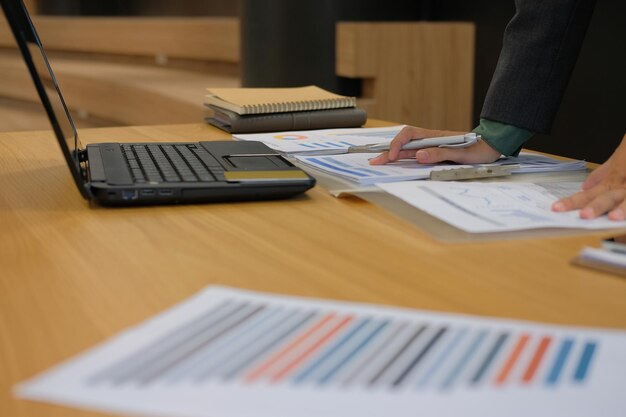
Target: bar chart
(234, 353)
(260, 343)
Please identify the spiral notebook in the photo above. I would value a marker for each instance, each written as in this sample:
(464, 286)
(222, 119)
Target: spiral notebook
(246, 101)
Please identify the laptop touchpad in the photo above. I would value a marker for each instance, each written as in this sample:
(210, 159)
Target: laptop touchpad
(254, 162)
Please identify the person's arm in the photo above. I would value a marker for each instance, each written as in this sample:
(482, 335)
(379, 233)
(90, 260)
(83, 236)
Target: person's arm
(539, 51)
(498, 139)
(507, 139)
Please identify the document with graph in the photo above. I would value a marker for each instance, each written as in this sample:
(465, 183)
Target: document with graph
(356, 167)
(234, 353)
(322, 141)
(484, 207)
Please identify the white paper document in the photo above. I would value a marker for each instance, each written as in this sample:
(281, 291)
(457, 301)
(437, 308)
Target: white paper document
(325, 141)
(233, 353)
(481, 207)
(355, 167)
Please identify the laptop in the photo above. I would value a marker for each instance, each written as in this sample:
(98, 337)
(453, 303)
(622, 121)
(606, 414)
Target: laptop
(123, 174)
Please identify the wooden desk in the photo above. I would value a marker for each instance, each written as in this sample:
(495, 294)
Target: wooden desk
(72, 275)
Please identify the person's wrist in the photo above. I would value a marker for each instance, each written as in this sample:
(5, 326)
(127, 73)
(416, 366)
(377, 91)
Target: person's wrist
(504, 138)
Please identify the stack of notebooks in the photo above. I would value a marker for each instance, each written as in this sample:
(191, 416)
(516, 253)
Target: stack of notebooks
(249, 110)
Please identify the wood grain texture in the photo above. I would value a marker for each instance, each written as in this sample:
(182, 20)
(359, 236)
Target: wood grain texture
(121, 93)
(202, 38)
(24, 115)
(73, 275)
(414, 73)
(104, 70)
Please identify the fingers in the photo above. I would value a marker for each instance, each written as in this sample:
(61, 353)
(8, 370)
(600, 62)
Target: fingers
(596, 176)
(604, 191)
(381, 159)
(618, 213)
(406, 135)
(478, 153)
(603, 203)
(434, 155)
(384, 158)
(395, 151)
(596, 202)
(575, 201)
(611, 202)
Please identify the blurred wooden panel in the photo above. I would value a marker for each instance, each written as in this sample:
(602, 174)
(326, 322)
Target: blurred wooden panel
(203, 38)
(31, 5)
(415, 73)
(106, 66)
(122, 94)
(17, 115)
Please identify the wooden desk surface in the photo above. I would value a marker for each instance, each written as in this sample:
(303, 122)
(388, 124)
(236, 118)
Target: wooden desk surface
(72, 275)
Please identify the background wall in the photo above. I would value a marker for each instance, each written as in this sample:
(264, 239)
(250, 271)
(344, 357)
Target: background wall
(140, 7)
(592, 116)
(590, 122)
(290, 43)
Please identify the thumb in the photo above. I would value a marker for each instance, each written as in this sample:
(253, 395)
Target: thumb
(479, 153)
(434, 155)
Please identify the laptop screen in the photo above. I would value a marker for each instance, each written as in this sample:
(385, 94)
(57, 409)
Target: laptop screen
(45, 82)
(57, 104)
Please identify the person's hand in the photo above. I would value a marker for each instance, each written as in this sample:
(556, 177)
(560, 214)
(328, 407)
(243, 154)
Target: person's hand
(604, 191)
(478, 153)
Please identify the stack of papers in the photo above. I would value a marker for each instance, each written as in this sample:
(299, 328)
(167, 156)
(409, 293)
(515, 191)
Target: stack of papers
(484, 207)
(326, 150)
(355, 167)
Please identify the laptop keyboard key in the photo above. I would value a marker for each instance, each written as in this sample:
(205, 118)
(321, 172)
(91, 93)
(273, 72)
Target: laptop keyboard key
(172, 163)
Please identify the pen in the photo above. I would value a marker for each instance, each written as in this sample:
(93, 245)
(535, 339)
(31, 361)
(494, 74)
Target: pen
(457, 141)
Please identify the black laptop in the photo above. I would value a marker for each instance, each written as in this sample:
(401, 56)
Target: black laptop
(154, 173)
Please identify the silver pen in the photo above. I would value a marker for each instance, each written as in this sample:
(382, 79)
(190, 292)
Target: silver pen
(457, 141)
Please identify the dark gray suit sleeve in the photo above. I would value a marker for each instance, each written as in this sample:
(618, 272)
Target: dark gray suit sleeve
(540, 47)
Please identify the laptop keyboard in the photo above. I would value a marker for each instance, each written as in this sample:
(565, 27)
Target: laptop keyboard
(154, 163)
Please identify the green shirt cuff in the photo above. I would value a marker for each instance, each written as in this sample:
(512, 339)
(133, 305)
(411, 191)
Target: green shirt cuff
(507, 139)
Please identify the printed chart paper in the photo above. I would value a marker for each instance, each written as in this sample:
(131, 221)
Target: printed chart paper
(356, 167)
(232, 353)
(481, 207)
(324, 141)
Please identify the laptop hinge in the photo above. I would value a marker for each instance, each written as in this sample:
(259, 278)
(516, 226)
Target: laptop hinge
(82, 161)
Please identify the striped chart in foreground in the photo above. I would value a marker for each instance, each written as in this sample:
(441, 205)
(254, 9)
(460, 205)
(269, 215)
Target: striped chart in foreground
(234, 353)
